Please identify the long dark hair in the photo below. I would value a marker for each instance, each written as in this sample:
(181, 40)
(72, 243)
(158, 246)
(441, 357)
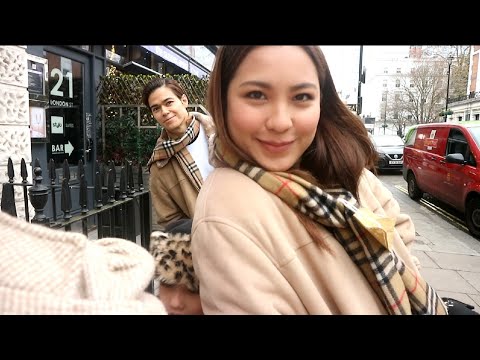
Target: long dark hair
(341, 148)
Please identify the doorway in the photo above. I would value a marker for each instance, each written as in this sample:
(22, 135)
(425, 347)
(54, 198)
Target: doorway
(69, 115)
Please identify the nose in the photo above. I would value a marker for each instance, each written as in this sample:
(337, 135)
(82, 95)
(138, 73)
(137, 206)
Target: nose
(176, 302)
(280, 118)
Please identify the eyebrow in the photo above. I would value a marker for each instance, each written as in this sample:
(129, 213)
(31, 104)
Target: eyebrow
(161, 102)
(262, 84)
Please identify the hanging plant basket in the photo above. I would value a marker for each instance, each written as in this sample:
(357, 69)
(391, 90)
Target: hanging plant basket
(448, 112)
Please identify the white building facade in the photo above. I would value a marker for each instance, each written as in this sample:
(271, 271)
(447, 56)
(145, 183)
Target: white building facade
(467, 108)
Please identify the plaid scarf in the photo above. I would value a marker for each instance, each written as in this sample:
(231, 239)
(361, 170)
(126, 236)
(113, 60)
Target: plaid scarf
(166, 148)
(366, 237)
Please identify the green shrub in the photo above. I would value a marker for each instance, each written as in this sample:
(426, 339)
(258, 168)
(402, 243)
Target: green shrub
(125, 141)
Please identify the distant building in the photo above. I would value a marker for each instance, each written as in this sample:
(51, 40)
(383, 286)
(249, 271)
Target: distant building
(474, 74)
(467, 107)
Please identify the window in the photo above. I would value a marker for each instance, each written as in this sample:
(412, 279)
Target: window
(116, 53)
(385, 70)
(141, 56)
(412, 84)
(467, 117)
(457, 143)
(410, 137)
(384, 83)
(399, 70)
(397, 83)
(397, 97)
(384, 96)
(477, 116)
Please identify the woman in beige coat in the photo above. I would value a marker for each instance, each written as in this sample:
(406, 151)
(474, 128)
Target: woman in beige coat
(179, 163)
(291, 221)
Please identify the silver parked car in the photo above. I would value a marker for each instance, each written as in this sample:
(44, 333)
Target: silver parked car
(390, 151)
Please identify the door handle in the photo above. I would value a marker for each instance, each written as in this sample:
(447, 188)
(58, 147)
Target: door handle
(442, 161)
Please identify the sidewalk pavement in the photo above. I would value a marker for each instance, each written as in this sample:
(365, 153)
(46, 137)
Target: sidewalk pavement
(450, 258)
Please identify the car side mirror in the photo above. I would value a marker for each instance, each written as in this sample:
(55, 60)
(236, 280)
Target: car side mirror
(455, 158)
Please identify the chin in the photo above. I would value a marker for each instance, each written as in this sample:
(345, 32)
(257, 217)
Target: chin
(276, 166)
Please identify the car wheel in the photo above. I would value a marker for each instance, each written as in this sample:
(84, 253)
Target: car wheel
(472, 216)
(413, 190)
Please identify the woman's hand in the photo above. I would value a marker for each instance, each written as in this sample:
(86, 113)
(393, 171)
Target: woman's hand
(206, 121)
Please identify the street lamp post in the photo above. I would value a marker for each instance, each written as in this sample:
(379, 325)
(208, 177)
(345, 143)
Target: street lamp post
(449, 59)
(361, 79)
(385, 115)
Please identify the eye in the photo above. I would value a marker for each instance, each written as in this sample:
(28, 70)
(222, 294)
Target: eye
(303, 97)
(169, 102)
(257, 95)
(167, 285)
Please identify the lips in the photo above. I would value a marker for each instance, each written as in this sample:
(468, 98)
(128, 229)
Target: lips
(170, 118)
(276, 146)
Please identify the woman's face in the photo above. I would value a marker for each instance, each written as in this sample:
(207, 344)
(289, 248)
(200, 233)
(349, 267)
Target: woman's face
(274, 105)
(178, 300)
(169, 110)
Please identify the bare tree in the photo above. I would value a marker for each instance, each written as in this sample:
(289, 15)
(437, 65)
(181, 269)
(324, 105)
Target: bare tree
(459, 68)
(394, 112)
(423, 91)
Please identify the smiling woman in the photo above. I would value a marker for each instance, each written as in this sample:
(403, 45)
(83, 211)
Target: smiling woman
(274, 121)
(286, 223)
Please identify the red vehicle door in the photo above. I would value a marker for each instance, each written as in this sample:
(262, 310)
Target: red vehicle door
(458, 178)
(431, 141)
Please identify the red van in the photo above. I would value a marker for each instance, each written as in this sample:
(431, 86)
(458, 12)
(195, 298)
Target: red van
(443, 160)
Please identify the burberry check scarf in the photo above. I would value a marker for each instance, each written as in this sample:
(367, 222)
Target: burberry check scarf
(166, 148)
(366, 237)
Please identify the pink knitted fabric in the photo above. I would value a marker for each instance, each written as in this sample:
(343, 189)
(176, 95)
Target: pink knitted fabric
(45, 271)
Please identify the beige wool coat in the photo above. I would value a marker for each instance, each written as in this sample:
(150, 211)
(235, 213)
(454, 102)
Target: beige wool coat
(253, 256)
(172, 191)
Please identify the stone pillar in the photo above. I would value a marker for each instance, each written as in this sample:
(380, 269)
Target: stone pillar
(14, 118)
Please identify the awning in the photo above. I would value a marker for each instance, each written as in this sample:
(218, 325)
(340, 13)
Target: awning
(135, 68)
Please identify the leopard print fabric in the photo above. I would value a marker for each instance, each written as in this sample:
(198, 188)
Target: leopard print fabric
(173, 259)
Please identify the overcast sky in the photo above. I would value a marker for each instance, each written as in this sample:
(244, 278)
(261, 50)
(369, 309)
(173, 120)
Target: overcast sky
(343, 62)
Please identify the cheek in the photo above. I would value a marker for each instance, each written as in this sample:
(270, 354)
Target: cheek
(306, 125)
(164, 298)
(194, 304)
(158, 117)
(182, 109)
(243, 120)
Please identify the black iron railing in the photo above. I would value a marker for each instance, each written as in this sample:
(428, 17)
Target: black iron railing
(121, 208)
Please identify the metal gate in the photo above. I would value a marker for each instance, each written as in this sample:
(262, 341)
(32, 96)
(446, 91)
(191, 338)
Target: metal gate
(121, 209)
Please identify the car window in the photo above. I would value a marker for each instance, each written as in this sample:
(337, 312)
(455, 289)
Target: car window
(387, 140)
(410, 138)
(457, 143)
(475, 132)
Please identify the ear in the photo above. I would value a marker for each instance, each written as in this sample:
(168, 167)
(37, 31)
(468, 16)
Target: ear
(184, 100)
